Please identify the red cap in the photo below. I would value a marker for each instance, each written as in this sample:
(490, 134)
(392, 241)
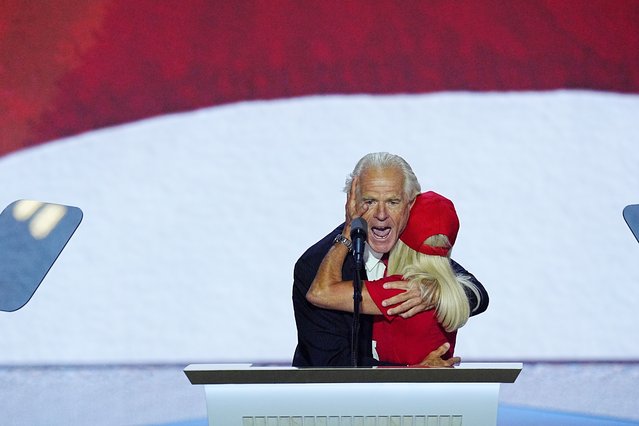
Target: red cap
(431, 214)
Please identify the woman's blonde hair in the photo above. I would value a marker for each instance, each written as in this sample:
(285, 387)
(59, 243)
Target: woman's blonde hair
(437, 279)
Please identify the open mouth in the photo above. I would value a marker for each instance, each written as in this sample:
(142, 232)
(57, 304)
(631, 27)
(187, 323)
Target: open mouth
(380, 233)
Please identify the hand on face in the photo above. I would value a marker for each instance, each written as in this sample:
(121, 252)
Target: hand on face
(354, 208)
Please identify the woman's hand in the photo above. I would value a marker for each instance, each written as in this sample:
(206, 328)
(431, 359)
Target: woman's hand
(434, 359)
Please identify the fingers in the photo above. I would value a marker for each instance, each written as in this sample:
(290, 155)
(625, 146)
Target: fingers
(352, 195)
(415, 310)
(408, 303)
(354, 187)
(403, 308)
(394, 300)
(351, 202)
(455, 360)
(404, 302)
(434, 359)
(451, 362)
(440, 350)
(353, 206)
(362, 211)
(402, 285)
(411, 312)
(410, 293)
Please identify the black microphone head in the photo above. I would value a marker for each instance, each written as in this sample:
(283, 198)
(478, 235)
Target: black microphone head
(359, 227)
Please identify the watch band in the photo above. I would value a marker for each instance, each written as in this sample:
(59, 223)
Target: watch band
(339, 238)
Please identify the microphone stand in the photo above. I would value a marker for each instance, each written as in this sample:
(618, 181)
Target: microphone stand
(358, 237)
(357, 299)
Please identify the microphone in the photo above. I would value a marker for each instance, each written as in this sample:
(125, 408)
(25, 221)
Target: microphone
(359, 229)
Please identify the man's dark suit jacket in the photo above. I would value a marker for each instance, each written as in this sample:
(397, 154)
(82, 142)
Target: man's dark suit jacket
(324, 335)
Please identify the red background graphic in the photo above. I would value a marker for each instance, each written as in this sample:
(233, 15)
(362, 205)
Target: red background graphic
(72, 66)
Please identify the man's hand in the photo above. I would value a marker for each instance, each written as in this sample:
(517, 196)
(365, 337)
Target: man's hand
(352, 208)
(434, 359)
(412, 301)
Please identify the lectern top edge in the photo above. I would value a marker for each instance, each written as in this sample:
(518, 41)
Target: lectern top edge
(210, 374)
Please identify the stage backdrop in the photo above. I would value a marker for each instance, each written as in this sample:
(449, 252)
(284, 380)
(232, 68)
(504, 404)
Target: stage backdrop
(208, 143)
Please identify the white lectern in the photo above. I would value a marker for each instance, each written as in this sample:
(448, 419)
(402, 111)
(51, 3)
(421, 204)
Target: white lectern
(246, 395)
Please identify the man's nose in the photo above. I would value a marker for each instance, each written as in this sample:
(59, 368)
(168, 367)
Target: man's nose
(381, 213)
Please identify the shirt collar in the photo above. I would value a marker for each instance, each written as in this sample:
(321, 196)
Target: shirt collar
(371, 258)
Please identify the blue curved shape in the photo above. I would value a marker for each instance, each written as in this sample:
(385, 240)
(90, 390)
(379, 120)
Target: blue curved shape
(32, 236)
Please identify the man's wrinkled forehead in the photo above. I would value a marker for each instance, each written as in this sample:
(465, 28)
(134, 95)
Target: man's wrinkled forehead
(388, 181)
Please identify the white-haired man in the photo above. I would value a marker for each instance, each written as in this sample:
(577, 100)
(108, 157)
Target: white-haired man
(386, 189)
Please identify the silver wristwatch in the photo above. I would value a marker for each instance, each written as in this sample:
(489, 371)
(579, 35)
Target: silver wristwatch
(339, 238)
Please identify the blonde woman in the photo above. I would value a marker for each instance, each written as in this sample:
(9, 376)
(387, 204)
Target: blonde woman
(421, 257)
